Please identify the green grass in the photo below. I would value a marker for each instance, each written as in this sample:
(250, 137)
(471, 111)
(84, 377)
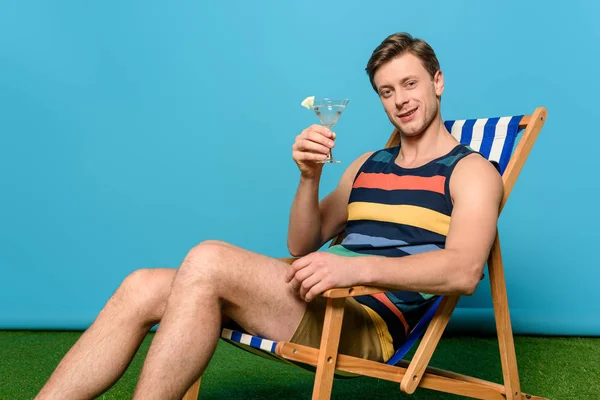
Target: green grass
(556, 368)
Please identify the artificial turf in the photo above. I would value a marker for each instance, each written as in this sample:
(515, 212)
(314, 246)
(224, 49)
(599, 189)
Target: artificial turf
(555, 368)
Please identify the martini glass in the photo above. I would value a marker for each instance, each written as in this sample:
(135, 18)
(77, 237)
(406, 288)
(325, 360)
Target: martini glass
(329, 111)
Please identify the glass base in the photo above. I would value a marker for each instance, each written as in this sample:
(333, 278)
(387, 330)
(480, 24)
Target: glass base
(329, 161)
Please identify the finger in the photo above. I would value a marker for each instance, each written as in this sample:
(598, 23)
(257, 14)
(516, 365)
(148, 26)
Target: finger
(307, 284)
(320, 129)
(306, 145)
(302, 156)
(302, 262)
(301, 276)
(289, 274)
(316, 290)
(319, 138)
(295, 285)
(316, 135)
(295, 267)
(315, 132)
(312, 147)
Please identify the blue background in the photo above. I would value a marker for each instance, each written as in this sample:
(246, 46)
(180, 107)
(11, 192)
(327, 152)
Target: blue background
(131, 131)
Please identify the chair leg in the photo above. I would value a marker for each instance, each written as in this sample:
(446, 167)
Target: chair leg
(506, 343)
(192, 393)
(330, 339)
(430, 340)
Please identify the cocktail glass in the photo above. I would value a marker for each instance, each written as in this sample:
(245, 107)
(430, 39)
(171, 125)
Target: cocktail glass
(329, 111)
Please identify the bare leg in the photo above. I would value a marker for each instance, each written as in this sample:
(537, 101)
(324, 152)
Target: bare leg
(105, 349)
(215, 280)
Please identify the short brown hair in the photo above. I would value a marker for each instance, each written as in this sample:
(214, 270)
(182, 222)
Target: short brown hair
(397, 44)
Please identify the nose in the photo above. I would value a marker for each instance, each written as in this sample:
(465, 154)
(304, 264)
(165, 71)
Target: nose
(400, 99)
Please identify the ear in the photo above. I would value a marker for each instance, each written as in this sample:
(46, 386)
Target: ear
(438, 83)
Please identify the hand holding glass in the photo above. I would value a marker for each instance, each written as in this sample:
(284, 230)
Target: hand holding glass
(329, 111)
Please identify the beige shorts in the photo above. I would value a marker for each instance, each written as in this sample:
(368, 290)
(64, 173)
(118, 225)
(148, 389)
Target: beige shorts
(359, 336)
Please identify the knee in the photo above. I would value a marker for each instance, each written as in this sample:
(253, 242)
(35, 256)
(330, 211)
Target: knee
(205, 261)
(144, 293)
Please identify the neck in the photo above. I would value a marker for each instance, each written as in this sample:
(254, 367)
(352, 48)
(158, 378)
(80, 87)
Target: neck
(431, 143)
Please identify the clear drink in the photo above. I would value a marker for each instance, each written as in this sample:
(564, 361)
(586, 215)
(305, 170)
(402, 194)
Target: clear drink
(329, 114)
(329, 111)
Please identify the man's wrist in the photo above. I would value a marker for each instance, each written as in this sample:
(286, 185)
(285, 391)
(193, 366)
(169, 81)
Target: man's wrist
(311, 180)
(364, 271)
(373, 270)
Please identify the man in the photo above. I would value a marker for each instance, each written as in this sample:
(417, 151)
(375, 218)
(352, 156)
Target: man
(407, 226)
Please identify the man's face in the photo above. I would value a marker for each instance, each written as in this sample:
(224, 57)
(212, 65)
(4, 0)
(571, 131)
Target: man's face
(408, 94)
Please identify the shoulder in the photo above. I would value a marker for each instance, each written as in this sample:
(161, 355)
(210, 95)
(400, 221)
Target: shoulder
(381, 155)
(474, 175)
(357, 164)
(363, 158)
(353, 169)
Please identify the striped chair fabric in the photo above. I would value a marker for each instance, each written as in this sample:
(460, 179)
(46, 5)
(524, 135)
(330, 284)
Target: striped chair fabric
(494, 138)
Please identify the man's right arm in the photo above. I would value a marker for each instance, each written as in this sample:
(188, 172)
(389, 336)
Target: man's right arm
(312, 223)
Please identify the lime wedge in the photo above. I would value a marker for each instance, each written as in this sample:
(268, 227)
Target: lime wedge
(308, 102)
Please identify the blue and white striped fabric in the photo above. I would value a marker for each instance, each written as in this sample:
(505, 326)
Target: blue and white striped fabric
(492, 137)
(268, 349)
(249, 340)
(261, 347)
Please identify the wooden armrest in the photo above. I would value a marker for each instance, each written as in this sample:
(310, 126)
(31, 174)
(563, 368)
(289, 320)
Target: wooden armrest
(353, 291)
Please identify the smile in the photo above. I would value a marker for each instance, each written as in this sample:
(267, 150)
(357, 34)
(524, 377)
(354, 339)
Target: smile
(408, 113)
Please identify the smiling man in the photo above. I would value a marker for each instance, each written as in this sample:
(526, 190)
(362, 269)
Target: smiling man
(419, 219)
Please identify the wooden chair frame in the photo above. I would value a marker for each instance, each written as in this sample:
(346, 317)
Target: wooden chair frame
(417, 373)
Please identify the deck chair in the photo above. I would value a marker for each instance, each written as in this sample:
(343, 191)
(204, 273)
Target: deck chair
(495, 138)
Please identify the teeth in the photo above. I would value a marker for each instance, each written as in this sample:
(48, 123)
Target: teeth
(408, 113)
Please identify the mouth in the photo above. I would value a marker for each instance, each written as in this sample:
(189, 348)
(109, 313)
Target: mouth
(408, 113)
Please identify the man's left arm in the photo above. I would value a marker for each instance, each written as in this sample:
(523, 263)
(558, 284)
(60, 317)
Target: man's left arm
(476, 188)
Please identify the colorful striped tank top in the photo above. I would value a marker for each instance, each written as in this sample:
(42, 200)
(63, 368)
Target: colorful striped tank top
(395, 212)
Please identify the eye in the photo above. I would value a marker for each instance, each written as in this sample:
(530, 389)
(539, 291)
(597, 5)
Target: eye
(385, 92)
(411, 84)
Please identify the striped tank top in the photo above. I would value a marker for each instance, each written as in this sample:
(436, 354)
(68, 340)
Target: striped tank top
(395, 212)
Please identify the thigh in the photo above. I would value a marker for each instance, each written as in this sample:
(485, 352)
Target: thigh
(255, 295)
